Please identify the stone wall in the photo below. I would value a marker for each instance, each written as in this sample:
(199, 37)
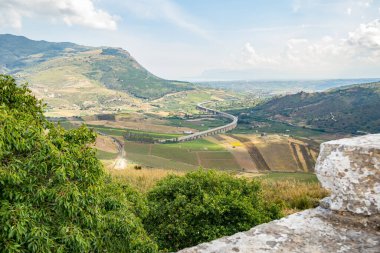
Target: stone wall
(347, 221)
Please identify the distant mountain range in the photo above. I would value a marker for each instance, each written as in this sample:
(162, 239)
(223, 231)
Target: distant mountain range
(348, 109)
(48, 64)
(272, 87)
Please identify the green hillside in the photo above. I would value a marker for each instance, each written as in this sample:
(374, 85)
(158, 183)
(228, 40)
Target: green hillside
(347, 109)
(17, 52)
(111, 68)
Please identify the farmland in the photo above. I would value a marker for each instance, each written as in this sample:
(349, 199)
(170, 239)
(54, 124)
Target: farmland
(236, 152)
(181, 156)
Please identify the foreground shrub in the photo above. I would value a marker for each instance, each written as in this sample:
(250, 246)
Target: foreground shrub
(54, 194)
(202, 206)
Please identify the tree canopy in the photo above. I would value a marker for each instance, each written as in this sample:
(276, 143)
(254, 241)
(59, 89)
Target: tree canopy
(54, 193)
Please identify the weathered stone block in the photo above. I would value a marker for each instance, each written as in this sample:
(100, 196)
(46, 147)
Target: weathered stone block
(350, 169)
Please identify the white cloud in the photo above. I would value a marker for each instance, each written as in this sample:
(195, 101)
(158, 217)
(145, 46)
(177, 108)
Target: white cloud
(253, 59)
(71, 12)
(360, 47)
(166, 10)
(367, 36)
(365, 3)
(349, 11)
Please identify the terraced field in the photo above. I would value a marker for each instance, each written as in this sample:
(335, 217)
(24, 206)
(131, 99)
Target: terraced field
(257, 153)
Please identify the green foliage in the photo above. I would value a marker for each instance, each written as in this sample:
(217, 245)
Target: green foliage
(54, 194)
(202, 206)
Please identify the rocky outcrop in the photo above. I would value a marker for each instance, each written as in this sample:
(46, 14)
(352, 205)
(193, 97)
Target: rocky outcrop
(350, 169)
(347, 221)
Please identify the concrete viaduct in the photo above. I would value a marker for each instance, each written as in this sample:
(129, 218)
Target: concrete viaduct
(213, 131)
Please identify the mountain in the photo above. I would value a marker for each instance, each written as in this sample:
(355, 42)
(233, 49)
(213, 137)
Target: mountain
(112, 68)
(347, 109)
(18, 52)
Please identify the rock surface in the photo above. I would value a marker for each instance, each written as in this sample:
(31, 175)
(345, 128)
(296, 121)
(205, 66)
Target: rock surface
(314, 230)
(350, 169)
(347, 221)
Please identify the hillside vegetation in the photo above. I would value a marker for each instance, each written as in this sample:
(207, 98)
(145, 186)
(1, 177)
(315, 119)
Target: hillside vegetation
(112, 68)
(54, 193)
(349, 109)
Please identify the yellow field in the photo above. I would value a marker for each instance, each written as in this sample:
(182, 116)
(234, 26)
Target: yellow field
(272, 152)
(143, 179)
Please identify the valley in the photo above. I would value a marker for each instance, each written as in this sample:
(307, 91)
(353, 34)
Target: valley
(133, 111)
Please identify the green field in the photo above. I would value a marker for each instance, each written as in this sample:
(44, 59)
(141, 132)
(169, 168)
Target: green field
(181, 156)
(198, 125)
(159, 162)
(197, 145)
(102, 155)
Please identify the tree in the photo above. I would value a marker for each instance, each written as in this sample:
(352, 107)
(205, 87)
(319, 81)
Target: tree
(202, 206)
(54, 193)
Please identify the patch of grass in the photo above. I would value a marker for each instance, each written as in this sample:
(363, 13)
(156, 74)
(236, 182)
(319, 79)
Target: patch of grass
(198, 125)
(154, 135)
(197, 145)
(175, 154)
(136, 148)
(181, 156)
(212, 155)
(159, 162)
(293, 195)
(103, 155)
(289, 176)
(143, 180)
(225, 164)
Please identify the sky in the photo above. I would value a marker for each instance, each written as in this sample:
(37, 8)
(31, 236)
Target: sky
(215, 39)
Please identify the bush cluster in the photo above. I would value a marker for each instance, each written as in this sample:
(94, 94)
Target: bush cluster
(202, 206)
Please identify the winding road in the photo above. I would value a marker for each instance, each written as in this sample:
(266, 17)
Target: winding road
(121, 160)
(212, 131)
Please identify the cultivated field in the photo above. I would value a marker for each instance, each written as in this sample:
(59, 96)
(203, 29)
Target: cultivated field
(181, 156)
(250, 153)
(268, 153)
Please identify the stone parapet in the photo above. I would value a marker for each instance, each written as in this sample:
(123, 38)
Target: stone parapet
(350, 170)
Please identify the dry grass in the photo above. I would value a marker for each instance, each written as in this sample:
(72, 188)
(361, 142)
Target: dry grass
(293, 195)
(144, 179)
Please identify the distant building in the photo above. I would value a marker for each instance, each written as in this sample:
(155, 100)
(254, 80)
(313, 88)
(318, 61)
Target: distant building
(188, 132)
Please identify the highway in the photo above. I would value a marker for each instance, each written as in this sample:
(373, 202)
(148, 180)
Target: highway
(212, 131)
